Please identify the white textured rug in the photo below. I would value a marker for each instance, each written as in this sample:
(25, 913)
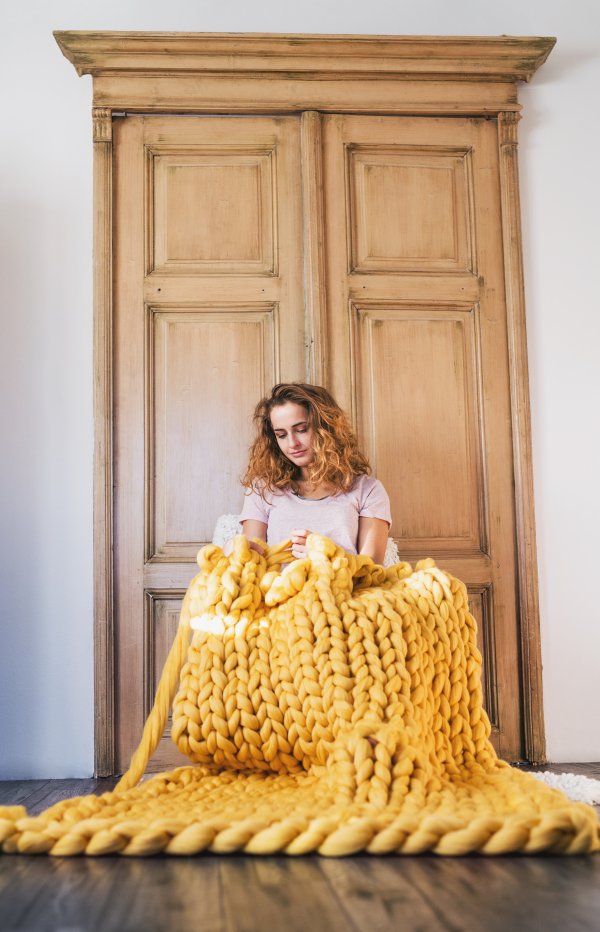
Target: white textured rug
(577, 787)
(228, 526)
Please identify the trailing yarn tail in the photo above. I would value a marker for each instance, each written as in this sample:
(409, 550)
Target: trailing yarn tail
(157, 720)
(156, 723)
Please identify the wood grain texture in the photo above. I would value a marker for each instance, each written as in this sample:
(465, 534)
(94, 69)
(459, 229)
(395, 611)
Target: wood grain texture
(38, 795)
(433, 449)
(278, 893)
(410, 209)
(15, 792)
(213, 213)
(509, 57)
(196, 457)
(240, 893)
(314, 243)
(103, 449)
(211, 72)
(481, 606)
(530, 637)
(290, 93)
(377, 897)
(209, 211)
(427, 377)
(102, 124)
(161, 620)
(206, 73)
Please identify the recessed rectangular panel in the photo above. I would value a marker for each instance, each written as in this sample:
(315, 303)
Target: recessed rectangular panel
(481, 608)
(161, 623)
(409, 210)
(211, 213)
(208, 370)
(417, 407)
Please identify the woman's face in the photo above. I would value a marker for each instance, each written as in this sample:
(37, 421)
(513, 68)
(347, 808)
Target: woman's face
(293, 432)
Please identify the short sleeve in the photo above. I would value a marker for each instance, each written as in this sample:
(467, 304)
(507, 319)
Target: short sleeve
(255, 508)
(376, 503)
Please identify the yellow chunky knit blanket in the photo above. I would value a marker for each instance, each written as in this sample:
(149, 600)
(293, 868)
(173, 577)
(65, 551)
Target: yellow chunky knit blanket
(335, 707)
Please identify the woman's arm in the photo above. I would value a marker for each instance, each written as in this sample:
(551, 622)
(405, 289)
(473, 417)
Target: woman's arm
(250, 529)
(372, 538)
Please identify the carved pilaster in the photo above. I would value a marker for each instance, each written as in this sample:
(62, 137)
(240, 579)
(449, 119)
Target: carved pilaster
(102, 124)
(508, 122)
(104, 724)
(535, 744)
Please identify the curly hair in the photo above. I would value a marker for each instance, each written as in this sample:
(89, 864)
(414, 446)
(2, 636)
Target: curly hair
(337, 458)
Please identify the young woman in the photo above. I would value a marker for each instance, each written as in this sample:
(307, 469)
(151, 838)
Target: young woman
(306, 475)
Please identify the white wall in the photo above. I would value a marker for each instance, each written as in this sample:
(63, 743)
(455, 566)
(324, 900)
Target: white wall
(46, 679)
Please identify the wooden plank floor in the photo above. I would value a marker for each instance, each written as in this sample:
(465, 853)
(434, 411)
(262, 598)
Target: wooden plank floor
(278, 894)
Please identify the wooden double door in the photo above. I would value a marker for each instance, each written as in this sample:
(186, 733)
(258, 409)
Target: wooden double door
(360, 252)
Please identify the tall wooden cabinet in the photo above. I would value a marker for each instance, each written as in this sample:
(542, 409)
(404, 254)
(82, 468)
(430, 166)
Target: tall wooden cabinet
(342, 209)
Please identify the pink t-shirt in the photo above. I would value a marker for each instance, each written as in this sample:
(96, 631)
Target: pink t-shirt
(335, 516)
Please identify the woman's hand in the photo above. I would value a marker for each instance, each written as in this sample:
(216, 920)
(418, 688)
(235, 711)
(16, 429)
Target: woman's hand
(299, 548)
(228, 547)
(250, 529)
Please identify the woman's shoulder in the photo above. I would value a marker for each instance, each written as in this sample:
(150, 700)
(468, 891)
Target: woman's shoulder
(260, 489)
(373, 500)
(256, 487)
(364, 485)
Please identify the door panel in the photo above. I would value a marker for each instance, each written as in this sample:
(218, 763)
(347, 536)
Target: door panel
(428, 462)
(482, 608)
(409, 208)
(417, 351)
(197, 452)
(213, 212)
(209, 313)
(209, 304)
(161, 619)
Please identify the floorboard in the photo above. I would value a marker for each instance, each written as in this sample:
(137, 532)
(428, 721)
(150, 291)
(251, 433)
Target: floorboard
(377, 897)
(15, 792)
(210, 893)
(278, 893)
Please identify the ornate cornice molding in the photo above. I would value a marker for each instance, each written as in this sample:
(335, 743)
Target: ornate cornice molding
(487, 58)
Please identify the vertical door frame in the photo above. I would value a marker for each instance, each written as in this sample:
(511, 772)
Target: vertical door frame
(527, 569)
(208, 73)
(314, 243)
(104, 673)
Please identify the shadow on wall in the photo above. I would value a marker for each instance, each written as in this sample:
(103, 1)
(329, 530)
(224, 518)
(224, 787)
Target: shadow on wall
(46, 675)
(563, 63)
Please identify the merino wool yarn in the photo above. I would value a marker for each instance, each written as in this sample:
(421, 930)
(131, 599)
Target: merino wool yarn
(331, 707)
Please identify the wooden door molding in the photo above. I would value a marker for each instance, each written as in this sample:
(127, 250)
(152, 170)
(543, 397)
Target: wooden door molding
(314, 242)
(208, 73)
(215, 72)
(531, 663)
(490, 57)
(103, 453)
